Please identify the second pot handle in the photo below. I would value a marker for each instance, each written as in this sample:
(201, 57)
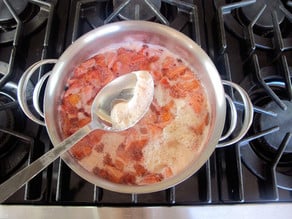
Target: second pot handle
(22, 90)
(233, 118)
(248, 116)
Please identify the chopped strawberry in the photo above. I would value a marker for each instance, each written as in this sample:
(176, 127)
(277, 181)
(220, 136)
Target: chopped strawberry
(119, 164)
(140, 170)
(99, 147)
(197, 102)
(152, 178)
(84, 67)
(167, 172)
(84, 121)
(165, 83)
(107, 160)
(128, 178)
(175, 72)
(168, 63)
(81, 149)
(106, 174)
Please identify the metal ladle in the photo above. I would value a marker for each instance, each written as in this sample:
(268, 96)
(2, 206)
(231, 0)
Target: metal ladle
(119, 90)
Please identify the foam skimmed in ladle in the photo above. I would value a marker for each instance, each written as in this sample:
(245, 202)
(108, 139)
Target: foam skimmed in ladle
(125, 113)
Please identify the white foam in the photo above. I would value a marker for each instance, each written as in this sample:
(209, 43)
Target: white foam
(126, 114)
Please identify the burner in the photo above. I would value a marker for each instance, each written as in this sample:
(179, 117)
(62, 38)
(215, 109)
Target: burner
(11, 116)
(18, 7)
(270, 126)
(265, 20)
(13, 151)
(283, 120)
(15, 129)
(31, 14)
(237, 16)
(137, 9)
(266, 147)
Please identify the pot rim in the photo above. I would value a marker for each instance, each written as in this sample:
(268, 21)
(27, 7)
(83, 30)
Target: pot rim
(192, 48)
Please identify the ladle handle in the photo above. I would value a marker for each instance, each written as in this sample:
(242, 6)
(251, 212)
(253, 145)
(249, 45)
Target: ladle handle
(11, 185)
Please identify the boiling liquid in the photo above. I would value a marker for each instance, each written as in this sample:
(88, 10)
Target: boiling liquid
(166, 140)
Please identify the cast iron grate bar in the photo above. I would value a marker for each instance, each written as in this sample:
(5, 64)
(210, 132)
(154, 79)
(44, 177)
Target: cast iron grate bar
(151, 6)
(279, 47)
(16, 40)
(134, 198)
(171, 195)
(286, 11)
(256, 109)
(275, 162)
(287, 78)
(21, 136)
(268, 184)
(262, 82)
(251, 36)
(260, 134)
(226, 9)
(278, 39)
(230, 179)
(186, 9)
(77, 17)
(239, 174)
(50, 9)
(208, 179)
(37, 188)
(98, 194)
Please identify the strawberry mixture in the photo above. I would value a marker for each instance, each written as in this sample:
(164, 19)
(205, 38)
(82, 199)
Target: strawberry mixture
(164, 142)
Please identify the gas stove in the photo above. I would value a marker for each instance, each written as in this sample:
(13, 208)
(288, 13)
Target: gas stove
(250, 42)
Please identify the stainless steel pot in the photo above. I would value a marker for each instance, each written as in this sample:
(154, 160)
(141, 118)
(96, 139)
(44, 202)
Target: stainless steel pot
(148, 32)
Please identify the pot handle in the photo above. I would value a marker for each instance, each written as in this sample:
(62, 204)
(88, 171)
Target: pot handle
(233, 118)
(248, 116)
(22, 90)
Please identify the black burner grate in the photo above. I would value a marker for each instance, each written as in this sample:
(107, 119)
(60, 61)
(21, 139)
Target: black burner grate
(24, 39)
(259, 58)
(263, 61)
(265, 19)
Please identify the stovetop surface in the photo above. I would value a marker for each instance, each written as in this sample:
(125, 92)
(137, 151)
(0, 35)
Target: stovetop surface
(253, 49)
